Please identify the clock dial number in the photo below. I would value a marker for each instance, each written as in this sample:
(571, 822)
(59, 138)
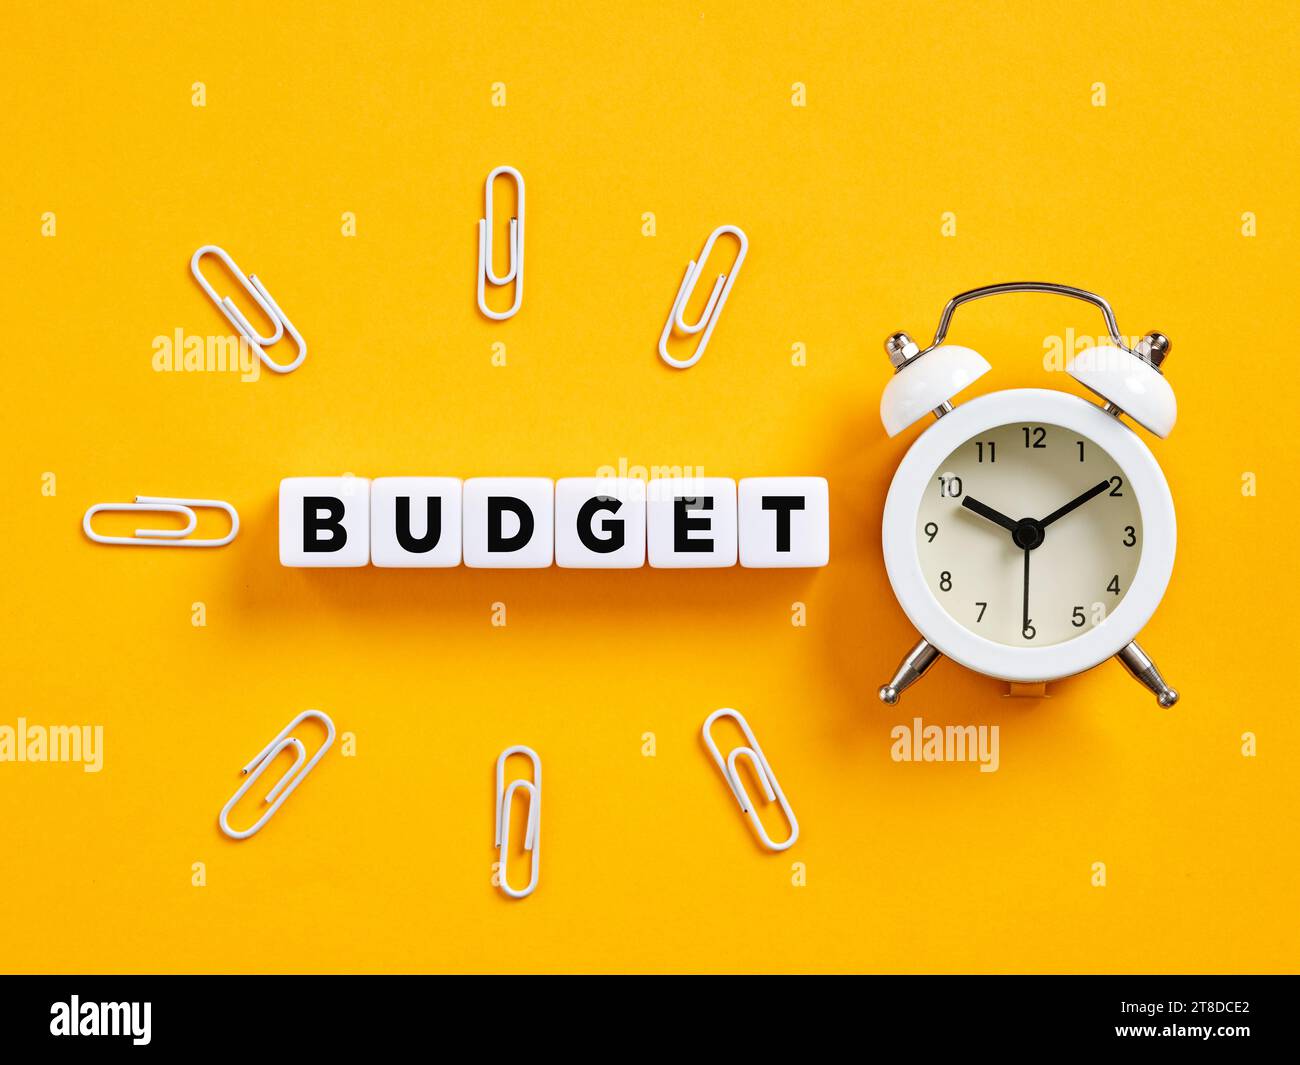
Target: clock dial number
(983, 607)
(949, 486)
(990, 445)
(1029, 632)
(1130, 536)
(945, 581)
(932, 530)
(1116, 483)
(1078, 619)
(1113, 586)
(1035, 437)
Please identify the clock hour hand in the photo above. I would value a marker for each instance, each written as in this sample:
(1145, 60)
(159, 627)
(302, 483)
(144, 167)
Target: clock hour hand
(984, 511)
(1077, 501)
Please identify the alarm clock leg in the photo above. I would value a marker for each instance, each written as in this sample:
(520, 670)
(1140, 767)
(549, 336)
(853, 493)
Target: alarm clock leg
(919, 659)
(1135, 660)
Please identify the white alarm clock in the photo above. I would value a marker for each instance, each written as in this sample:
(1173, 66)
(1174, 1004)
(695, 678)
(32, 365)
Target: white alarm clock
(1029, 534)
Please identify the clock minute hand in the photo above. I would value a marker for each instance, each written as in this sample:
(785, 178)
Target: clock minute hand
(984, 511)
(1078, 501)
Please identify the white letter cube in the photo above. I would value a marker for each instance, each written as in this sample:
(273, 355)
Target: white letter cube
(405, 542)
(602, 525)
(695, 513)
(334, 530)
(805, 524)
(535, 496)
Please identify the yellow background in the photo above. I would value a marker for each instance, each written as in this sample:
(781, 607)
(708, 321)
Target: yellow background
(382, 861)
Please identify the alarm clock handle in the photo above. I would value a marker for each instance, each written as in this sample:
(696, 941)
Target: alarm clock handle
(913, 667)
(1144, 671)
(945, 320)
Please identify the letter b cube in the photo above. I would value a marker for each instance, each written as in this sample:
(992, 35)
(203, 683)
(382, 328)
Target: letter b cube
(324, 521)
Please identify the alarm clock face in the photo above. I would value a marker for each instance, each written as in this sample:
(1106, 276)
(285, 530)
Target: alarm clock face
(1029, 534)
(1030, 479)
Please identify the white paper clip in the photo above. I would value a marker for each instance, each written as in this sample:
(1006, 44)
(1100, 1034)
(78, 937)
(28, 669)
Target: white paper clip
(486, 273)
(291, 779)
(717, 299)
(257, 291)
(764, 772)
(162, 537)
(532, 835)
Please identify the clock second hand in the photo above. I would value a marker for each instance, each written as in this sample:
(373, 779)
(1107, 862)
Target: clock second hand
(1025, 628)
